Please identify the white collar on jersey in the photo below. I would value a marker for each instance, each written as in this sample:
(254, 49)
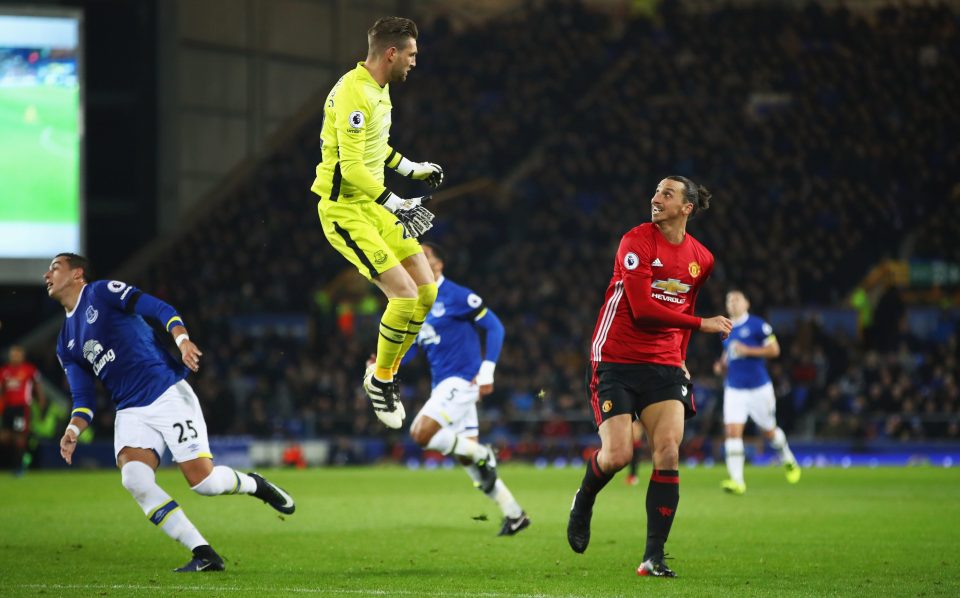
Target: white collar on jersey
(742, 319)
(80, 296)
(440, 280)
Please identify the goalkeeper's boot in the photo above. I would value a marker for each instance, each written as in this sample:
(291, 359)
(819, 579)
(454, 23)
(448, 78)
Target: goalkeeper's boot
(205, 558)
(273, 495)
(513, 525)
(733, 487)
(655, 567)
(385, 399)
(792, 469)
(396, 394)
(578, 526)
(487, 467)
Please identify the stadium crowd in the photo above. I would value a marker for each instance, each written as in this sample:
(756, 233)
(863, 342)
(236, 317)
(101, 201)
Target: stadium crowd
(827, 137)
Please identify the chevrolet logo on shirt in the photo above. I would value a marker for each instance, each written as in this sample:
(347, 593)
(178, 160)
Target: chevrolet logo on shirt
(671, 286)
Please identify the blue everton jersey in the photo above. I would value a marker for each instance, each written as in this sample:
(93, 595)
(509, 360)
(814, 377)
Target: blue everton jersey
(747, 372)
(449, 336)
(105, 337)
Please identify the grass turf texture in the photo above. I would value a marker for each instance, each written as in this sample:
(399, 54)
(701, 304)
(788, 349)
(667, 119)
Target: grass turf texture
(393, 532)
(39, 154)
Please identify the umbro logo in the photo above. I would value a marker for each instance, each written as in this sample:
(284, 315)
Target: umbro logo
(657, 263)
(683, 390)
(71, 344)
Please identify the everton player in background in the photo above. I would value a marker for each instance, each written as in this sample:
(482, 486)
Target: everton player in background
(748, 391)
(104, 336)
(461, 375)
(637, 361)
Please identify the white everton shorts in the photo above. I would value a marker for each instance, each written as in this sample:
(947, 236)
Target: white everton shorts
(173, 421)
(453, 404)
(759, 404)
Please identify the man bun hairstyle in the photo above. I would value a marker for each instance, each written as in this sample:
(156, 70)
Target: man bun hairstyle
(78, 261)
(693, 193)
(390, 32)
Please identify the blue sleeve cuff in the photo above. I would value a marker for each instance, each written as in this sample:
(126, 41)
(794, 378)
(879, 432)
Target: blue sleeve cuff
(83, 413)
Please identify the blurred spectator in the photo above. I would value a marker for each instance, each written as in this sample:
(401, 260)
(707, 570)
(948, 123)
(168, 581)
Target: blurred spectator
(827, 137)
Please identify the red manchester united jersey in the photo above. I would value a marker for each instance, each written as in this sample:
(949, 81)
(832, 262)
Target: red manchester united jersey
(647, 312)
(16, 382)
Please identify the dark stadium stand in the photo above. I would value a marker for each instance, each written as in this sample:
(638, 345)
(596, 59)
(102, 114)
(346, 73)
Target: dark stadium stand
(827, 141)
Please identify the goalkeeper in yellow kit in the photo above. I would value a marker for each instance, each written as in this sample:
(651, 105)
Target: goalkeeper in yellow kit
(373, 228)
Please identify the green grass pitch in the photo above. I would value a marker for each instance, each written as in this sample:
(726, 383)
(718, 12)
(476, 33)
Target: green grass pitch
(39, 154)
(386, 531)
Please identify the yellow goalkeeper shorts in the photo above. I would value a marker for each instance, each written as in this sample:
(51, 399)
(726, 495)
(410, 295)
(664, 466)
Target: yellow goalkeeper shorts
(367, 234)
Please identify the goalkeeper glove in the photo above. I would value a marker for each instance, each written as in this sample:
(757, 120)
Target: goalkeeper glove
(421, 171)
(415, 218)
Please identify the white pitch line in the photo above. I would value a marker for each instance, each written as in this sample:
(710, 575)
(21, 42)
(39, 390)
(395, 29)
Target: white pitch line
(164, 589)
(51, 145)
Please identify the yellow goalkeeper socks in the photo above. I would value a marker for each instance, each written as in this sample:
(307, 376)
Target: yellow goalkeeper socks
(393, 332)
(426, 295)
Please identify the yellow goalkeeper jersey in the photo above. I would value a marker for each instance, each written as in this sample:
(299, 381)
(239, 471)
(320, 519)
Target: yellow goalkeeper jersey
(355, 135)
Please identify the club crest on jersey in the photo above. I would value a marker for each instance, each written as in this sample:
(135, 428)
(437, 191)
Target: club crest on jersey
(694, 269)
(92, 314)
(631, 261)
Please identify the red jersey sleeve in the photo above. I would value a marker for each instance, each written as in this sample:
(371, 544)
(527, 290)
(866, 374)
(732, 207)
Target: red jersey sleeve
(634, 257)
(693, 304)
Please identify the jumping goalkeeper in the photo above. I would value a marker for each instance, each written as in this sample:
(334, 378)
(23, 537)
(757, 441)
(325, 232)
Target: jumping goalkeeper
(374, 229)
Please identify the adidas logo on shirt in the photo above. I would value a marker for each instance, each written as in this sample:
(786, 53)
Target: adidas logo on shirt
(657, 263)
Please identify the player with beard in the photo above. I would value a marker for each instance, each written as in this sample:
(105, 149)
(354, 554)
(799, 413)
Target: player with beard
(374, 229)
(637, 361)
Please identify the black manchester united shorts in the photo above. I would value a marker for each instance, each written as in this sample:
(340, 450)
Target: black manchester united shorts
(617, 388)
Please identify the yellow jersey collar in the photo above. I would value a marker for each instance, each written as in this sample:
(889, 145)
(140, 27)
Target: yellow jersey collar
(365, 74)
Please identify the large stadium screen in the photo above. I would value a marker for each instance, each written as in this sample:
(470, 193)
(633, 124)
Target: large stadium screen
(40, 141)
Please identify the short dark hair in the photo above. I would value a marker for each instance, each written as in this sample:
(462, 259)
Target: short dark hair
(78, 261)
(390, 32)
(437, 250)
(693, 193)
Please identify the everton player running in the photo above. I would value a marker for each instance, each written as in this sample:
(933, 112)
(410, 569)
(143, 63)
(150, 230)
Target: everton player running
(461, 376)
(104, 336)
(637, 359)
(748, 391)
